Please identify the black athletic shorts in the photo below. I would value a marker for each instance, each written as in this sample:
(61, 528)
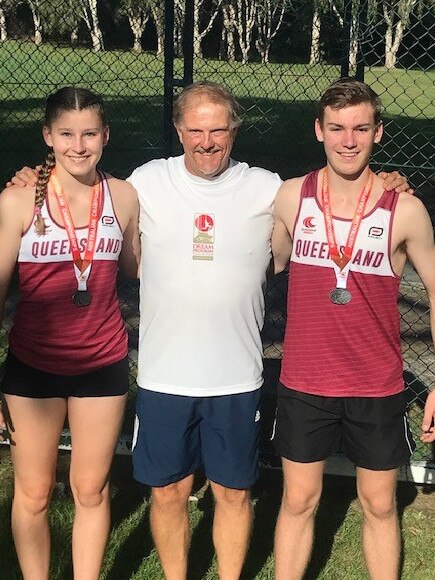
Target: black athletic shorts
(25, 381)
(372, 432)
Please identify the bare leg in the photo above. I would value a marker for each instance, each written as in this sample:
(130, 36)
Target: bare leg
(37, 424)
(170, 526)
(381, 533)
(295, 525)
(95, 423)
(231, 529)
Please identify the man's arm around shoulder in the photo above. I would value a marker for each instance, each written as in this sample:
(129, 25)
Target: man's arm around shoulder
(285, 211)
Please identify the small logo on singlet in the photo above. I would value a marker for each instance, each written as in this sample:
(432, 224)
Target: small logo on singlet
(203, 236)
(107, 220)
(376, 232)
(309, 225)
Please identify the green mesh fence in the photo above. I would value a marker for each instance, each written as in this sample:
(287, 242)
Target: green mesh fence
(277, 57)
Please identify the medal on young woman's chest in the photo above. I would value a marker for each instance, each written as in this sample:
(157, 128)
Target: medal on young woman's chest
(82, 266)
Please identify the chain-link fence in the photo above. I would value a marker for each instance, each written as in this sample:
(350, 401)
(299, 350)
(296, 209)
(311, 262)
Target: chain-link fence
(277, 57)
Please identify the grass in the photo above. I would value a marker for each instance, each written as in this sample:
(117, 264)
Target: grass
(130, 554)
(277, 101)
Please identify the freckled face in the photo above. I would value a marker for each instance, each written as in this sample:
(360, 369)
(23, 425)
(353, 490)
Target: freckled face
(207, 137)
(77, 139)
(348, 136)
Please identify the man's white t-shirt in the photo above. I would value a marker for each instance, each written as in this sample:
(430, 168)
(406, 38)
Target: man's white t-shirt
(205, 252)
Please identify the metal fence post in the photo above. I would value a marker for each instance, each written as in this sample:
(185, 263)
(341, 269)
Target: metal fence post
(346, 38)
(362, 32)
(168, 80)
(188, 42)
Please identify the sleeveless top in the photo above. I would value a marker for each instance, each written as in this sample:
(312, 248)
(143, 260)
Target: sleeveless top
(49, 332)
(342, 350)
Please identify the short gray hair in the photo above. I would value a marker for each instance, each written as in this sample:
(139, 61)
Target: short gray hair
(213, 92)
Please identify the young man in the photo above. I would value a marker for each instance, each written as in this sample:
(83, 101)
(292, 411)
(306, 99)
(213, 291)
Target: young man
(341, 385)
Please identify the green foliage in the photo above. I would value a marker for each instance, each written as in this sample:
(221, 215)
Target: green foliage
(60, 16)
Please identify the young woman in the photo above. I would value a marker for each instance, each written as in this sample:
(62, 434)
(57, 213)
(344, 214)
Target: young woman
(68, 345)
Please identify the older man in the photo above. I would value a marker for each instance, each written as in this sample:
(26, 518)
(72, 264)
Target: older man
(205, 224)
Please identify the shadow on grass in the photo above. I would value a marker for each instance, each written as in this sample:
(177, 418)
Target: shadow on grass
(201, 547)
(128, 497)
(9, 569)
(416, 392)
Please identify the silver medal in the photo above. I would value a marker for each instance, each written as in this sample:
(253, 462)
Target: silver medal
(82, 298)
(340, 296)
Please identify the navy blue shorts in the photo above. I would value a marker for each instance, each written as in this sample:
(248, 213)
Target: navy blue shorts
(176, 435)
(372, 432)
(25, 381)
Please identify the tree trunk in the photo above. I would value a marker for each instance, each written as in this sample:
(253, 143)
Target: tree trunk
(244, 13)
(74, 35)
(389, 57)
(3, 29)
(199, 34)
(228, 13)
(137, 25)
(268, 18)
(394, 33)
(315, 38)
(180, 11)
(400, 29)
(37, 23)
(158, 15)
(197, 50)
(354, 34)
(95, 31)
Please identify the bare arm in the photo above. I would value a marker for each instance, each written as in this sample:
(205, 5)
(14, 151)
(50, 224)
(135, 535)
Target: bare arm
(281, 245)
(11, 229)
(285, 211)
(391, 181)
(126, 207)
(420, 250)
(129, 259)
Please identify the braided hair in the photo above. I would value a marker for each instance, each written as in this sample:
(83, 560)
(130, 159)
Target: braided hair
(41, 192)
(65, 99)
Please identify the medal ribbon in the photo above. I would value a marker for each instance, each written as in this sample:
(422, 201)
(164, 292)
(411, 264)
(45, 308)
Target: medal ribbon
(82, 267)
(342, 260)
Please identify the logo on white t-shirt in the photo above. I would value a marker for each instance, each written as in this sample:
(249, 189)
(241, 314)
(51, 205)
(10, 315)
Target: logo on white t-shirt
(203, 236)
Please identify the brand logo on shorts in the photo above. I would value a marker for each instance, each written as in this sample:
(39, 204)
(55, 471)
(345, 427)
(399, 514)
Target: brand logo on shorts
(257, 416)
(203, 236)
